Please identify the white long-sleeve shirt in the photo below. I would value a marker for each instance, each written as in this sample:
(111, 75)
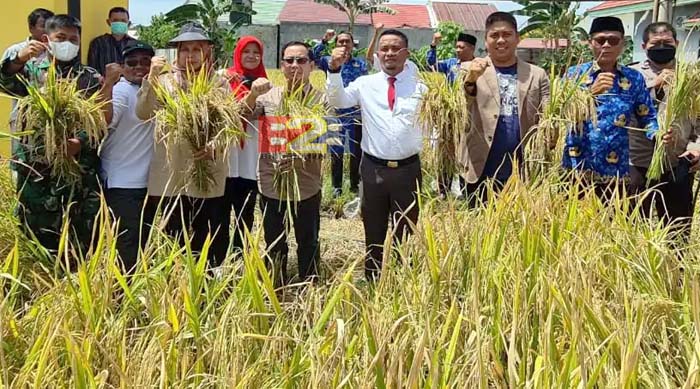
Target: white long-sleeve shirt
(386, 134)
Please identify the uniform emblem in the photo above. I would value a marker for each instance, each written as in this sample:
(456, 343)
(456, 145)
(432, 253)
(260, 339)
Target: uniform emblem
(574, 152)
(612, 158)
(624, 83)
(621, 120)
(642, 110)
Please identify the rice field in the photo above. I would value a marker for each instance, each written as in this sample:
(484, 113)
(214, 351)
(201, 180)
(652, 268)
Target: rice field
(537, 289)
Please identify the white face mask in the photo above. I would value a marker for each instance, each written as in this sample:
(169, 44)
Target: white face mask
(64, 51)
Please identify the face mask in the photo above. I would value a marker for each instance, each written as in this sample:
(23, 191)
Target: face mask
(661, 54)
(64, 51)
(119, 28)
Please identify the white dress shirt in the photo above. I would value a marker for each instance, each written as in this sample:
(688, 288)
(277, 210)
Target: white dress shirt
(387, 134)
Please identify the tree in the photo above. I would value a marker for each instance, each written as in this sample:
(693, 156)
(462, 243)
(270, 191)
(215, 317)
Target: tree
(354, 8)
(551, 20)
(208, 12)
(158, 33)
(450, 32)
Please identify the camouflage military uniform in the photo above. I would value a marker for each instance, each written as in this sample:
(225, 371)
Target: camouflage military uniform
(43, 199)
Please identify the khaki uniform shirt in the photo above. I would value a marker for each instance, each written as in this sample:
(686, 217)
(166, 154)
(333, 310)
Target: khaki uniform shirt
(167, 176)
(641, 148)
(306, 166)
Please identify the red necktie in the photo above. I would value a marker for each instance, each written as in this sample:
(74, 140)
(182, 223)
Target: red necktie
(392, 93)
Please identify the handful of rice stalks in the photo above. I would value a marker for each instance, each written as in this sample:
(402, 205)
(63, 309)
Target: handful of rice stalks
(53, 113)
(570, 104)
(444, 111)
(682, 105)
(300, 108)
(203, 114)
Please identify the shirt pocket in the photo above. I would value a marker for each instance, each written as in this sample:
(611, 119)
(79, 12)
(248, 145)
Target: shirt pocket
(407, 106)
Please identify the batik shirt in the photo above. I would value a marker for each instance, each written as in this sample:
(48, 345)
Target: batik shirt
(349, 72)
(450, 67)
(43, 198)
(603, 150)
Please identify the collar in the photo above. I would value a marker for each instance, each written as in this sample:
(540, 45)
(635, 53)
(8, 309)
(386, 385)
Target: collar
(649, 65)
(595, 68)
(399, 77)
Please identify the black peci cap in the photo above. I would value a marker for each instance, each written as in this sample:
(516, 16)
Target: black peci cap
(607, 23)
(134, 45)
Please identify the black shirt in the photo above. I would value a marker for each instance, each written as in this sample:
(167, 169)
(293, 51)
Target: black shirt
(105, 50)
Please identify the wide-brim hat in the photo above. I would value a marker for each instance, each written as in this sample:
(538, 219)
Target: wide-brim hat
(190, 32)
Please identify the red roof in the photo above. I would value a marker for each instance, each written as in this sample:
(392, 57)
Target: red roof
(305, 11)
(537, 43)
(472, 16)
(615, 3)
(406, 16)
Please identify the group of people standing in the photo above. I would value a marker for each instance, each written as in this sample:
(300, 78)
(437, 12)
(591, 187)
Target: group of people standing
(141, 179)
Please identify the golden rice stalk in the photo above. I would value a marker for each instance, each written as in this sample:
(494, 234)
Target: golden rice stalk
(444, 110)
(296, 104)
(682, 105)
(53, 113)
(204, 115)
(570, 105)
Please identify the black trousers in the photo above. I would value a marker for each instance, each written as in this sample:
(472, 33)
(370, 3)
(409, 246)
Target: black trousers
(199, 218)
(387, 193)
(240, 197)
(306, 220)
(127, 206)
(337, 159)
(673, 201)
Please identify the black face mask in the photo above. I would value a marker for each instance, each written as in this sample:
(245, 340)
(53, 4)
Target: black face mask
(661, 54)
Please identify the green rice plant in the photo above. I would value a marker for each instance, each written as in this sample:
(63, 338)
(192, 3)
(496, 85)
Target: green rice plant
(54, 112)
(444, 110)
(569, 106)
(202, 114)
(681, 106)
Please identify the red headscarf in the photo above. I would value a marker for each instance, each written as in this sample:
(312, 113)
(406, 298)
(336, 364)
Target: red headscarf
(239, 72)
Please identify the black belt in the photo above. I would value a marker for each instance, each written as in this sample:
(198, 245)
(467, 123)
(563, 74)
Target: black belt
(392, 164)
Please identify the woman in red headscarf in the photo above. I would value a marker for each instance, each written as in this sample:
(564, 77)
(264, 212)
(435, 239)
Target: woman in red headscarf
(241, 184)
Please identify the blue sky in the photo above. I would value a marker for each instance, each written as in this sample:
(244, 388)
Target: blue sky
(142, 10)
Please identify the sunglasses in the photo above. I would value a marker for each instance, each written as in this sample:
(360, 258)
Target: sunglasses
(612, 40)
(299, 60)
(132, 63)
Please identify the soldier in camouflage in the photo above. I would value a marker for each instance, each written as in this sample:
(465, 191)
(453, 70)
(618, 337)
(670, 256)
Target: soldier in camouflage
(44, 200)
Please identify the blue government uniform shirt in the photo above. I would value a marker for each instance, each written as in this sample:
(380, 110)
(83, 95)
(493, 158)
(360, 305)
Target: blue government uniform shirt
(349, 72)
(450, 67)
(604, 149)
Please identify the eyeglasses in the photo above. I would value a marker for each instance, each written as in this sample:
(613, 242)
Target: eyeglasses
(299, 60)
(612, 40)
(132, 63)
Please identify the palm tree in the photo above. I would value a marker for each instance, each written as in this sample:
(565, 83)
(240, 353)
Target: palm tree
(354, 8)
(208, 13)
